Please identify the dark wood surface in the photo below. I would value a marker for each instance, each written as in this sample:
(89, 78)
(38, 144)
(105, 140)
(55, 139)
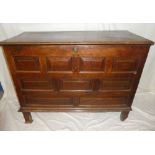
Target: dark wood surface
(79, 77)
(77, 37)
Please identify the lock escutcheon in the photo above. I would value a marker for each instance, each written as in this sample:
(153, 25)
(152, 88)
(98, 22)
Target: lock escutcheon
(75, 50)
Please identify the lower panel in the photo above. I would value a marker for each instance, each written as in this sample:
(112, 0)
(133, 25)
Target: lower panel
(98, 102)
(102, 102)
(48, 101)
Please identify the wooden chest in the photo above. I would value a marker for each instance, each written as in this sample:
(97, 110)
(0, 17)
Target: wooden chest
(76, 71)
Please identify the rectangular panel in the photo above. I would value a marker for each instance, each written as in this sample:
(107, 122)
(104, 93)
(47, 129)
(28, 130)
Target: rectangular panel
(59, 63)
(102, 51)
(33, 83)
(26, 63)
(41, 50)
(92, 64)
(125, 64)
(115, 84)
(102, 101)
(76, 84)
(42, 101)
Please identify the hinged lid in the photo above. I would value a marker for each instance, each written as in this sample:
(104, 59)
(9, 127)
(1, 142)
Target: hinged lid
(77, 37)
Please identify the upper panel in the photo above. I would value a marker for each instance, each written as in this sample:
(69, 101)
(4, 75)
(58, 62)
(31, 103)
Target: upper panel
(77, 37)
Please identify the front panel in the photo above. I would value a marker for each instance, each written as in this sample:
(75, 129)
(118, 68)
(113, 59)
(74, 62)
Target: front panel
(92, 64)
(58, 63)
(26, 63)
(76, 78)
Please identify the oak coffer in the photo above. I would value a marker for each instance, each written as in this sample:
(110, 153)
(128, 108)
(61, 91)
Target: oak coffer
(89, 71)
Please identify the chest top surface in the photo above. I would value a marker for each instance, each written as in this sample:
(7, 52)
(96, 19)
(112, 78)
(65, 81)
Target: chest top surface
(77, 37)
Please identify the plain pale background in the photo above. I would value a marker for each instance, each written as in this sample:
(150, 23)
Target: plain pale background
(147, 82)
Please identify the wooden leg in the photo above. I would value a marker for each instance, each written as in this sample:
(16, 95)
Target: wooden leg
(124, 115)
(28, 117)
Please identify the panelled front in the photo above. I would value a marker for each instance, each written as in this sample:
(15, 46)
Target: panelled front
(90, 76)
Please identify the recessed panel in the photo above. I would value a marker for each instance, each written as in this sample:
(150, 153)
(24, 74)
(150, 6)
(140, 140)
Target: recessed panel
(115, 84)
(76, 84)
(59, 63)
(39, 84)
(102, 101)
(124, 64)
(92, 64)
(36, 100)
(26, 63)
